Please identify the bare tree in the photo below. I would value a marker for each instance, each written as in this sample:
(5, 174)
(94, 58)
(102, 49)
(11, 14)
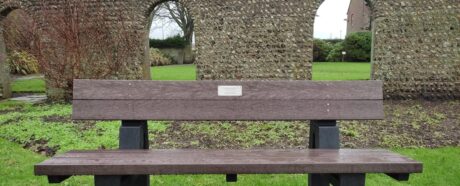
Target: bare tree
(181, 16)
(173, 11)
(76, 44)
(20, 32)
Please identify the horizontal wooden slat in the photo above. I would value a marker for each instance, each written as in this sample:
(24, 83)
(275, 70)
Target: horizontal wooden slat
(227, 110)
(157, 162)
(252, 90)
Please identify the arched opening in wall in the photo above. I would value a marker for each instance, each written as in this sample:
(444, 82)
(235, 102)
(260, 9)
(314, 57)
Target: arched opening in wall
(19, 54)
(342, 41)
(171, 42)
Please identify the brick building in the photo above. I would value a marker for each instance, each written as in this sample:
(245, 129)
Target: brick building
(359, 17)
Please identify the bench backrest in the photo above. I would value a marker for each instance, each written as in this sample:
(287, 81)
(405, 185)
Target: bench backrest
(227, 100)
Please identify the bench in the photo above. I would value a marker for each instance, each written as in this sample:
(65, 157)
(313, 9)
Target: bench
(135, 102)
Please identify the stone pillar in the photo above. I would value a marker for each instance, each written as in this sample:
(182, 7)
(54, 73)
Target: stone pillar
(4, 69)
(147, 63)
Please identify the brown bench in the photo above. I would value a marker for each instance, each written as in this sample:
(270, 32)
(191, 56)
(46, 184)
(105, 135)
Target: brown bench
(135, 102)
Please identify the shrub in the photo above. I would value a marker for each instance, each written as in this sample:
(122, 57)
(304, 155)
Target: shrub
(358, 46)
(321, 50)
(172, 42)
(336, 53)
(22, 62)
(333, 41)
(158, 58)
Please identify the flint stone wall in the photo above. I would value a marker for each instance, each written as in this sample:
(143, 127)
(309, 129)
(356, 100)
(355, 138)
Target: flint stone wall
(417, 48)
(416, 42)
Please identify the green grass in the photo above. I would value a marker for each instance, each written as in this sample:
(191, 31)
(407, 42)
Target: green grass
(341, 71)
(321, 71)
(441, 167)
(29, 86)
(21, 123)
(174, 72)
(18, 167)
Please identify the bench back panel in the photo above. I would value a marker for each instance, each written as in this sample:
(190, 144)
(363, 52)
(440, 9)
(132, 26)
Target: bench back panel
(199, 100)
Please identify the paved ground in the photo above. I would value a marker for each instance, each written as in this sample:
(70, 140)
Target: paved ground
(31, 98)
(33, 76)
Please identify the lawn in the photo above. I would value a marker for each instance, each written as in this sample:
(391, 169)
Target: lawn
(36, 85)
(321, 71)
(341, 71)
(442, 167)
(28, 133)
(174, 72)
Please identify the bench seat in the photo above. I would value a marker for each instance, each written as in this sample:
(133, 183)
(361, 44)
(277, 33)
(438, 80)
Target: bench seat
(136, 102)
(158, 162)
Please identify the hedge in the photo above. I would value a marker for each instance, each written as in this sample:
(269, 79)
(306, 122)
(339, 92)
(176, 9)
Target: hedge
(172, 42)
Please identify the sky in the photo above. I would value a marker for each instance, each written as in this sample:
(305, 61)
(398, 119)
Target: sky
(329, 24)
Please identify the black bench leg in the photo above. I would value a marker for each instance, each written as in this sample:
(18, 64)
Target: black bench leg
(318, 180)
(348, 180)
(133, 135)
(399, 176)
(323, 135)
(107, 180)
(232, 177)
(57, 179)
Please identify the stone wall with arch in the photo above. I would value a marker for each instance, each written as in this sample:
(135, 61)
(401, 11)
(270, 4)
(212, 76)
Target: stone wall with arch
(6, 7)
(272, 39)
(255, 39)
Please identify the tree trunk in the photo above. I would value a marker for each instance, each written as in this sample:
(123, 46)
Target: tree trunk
(189, 57)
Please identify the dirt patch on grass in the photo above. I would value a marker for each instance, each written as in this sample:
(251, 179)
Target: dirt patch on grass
(40, 146)
(80, 125)
(407, 124)
(10, 110)
(232, 135)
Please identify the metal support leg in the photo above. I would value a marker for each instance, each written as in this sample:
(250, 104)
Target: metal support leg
(349, 180)
(232, 177)
(323, 135)
(107, 180)
(57, 179)
(133, 135)
(399, 176)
